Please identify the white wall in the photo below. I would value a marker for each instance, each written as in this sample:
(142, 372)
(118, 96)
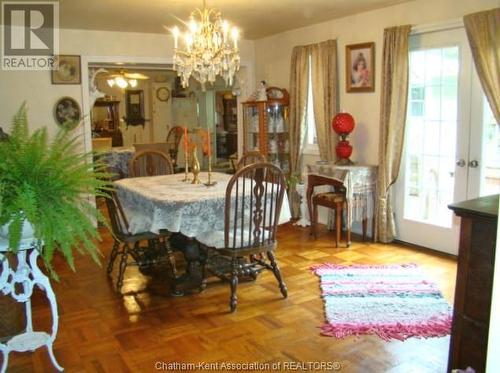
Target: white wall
(35, 86)
(272, 56)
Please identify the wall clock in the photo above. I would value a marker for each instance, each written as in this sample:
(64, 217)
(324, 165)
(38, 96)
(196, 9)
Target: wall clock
(163, 94)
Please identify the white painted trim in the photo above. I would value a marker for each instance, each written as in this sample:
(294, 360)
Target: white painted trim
(439, 26)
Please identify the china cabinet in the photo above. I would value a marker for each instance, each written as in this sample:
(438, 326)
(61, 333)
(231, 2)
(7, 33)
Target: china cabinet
(265, 127)
(474, 286)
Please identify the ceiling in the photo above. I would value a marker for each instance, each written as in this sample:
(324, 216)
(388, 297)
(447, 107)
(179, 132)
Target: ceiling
(255, 18)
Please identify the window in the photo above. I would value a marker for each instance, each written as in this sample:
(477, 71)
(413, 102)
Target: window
(311, 139)
(431, 135)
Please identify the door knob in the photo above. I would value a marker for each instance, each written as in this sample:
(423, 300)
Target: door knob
(460, 163)
(473, 163)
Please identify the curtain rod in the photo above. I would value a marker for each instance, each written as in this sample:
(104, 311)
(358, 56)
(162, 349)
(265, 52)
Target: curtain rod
(438, 26)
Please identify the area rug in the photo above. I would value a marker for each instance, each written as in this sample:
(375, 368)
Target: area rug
(391, 301)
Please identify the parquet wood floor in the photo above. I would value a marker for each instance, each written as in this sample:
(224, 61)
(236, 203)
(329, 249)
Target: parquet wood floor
(103, 331)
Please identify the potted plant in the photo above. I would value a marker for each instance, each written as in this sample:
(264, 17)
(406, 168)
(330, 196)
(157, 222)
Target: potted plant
(45, 187)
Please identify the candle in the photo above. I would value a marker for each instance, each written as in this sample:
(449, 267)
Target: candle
(225, 29)
(175, 31)
(234, 35)
(185, 139)
(209, 145)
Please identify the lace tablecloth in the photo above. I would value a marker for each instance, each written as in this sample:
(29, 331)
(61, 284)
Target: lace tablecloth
(117, 160)
(166, 202)
(360, 183)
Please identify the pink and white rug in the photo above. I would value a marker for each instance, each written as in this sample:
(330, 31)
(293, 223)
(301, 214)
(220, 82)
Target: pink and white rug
(391, 301)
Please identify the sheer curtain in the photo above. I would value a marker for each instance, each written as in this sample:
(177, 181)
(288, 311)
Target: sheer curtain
(483, 32)
(393, 103)
(298, 100)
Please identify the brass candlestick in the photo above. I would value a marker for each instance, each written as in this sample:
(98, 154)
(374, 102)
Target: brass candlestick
(195, 168)
(209, 182)
(186, 168)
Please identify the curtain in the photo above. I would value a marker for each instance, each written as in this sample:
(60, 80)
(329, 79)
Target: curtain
(393, 101)
(298, 100)
(324, 90)
(483, 32)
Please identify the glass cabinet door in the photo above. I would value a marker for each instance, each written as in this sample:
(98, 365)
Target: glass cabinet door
(278, 143)
(251, 127)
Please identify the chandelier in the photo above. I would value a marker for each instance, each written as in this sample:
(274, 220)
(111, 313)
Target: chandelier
(210, 48)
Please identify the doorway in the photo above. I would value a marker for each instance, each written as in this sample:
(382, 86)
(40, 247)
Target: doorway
(452, 142)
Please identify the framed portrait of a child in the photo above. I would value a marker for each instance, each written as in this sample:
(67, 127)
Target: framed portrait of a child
(360, 67)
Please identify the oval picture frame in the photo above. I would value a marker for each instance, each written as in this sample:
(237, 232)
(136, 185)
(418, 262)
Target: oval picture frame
(67, 113)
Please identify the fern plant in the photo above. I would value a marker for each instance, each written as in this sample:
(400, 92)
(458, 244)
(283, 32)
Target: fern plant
(48, 183)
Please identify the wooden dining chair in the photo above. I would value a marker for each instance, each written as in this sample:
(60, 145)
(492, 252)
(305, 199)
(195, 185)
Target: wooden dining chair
(173, 139)
(150, 163)
(126, 244)
(250, 158)
(100, 144)
(159, 146)
(254, 196)
(335, 200)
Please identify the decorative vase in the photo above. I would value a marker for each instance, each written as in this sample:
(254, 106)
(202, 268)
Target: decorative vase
(343, 124)
(195, 168)
(27, 234)
(343, 150)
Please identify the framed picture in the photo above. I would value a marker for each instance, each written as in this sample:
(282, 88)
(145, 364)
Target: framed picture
(67, 112)
(360, 67)
(134, 100)
(69, 70)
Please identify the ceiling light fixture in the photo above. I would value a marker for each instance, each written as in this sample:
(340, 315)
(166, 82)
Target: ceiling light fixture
(124, 79)
(210, 48)
(122, 82)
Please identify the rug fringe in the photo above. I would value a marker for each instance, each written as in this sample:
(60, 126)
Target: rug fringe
(364, 266)
(432, 328)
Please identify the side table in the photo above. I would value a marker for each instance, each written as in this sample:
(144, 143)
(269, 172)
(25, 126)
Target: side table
(28, 275)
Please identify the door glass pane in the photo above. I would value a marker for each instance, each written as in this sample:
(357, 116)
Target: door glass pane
(490, 158)
(431, 135)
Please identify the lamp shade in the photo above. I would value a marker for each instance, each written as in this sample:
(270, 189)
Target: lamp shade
(343, 123)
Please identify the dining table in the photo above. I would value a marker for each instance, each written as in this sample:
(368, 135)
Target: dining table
(117, 160)
(169, 203)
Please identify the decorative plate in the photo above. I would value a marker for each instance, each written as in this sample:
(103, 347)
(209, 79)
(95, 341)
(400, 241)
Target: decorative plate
(67, 112)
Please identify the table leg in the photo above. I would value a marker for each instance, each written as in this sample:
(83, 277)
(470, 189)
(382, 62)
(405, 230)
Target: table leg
(338, 222)
(374, 213)
(192, 279)
(364, 223)
(309, 193)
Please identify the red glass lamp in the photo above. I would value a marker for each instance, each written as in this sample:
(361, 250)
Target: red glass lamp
(343, 124)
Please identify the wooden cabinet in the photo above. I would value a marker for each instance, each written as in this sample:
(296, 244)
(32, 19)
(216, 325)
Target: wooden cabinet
(476, 260)
(265, 128)
(106, 120)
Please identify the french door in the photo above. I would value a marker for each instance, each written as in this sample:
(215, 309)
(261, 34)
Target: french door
(452, 143)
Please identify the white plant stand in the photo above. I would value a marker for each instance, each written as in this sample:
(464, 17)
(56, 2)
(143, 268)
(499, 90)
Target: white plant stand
(28, 275)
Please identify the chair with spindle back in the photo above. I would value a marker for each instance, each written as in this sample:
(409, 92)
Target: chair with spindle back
(150, 163)
(250, 158)
(126, 244)
(173, 139)
(254, 196)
